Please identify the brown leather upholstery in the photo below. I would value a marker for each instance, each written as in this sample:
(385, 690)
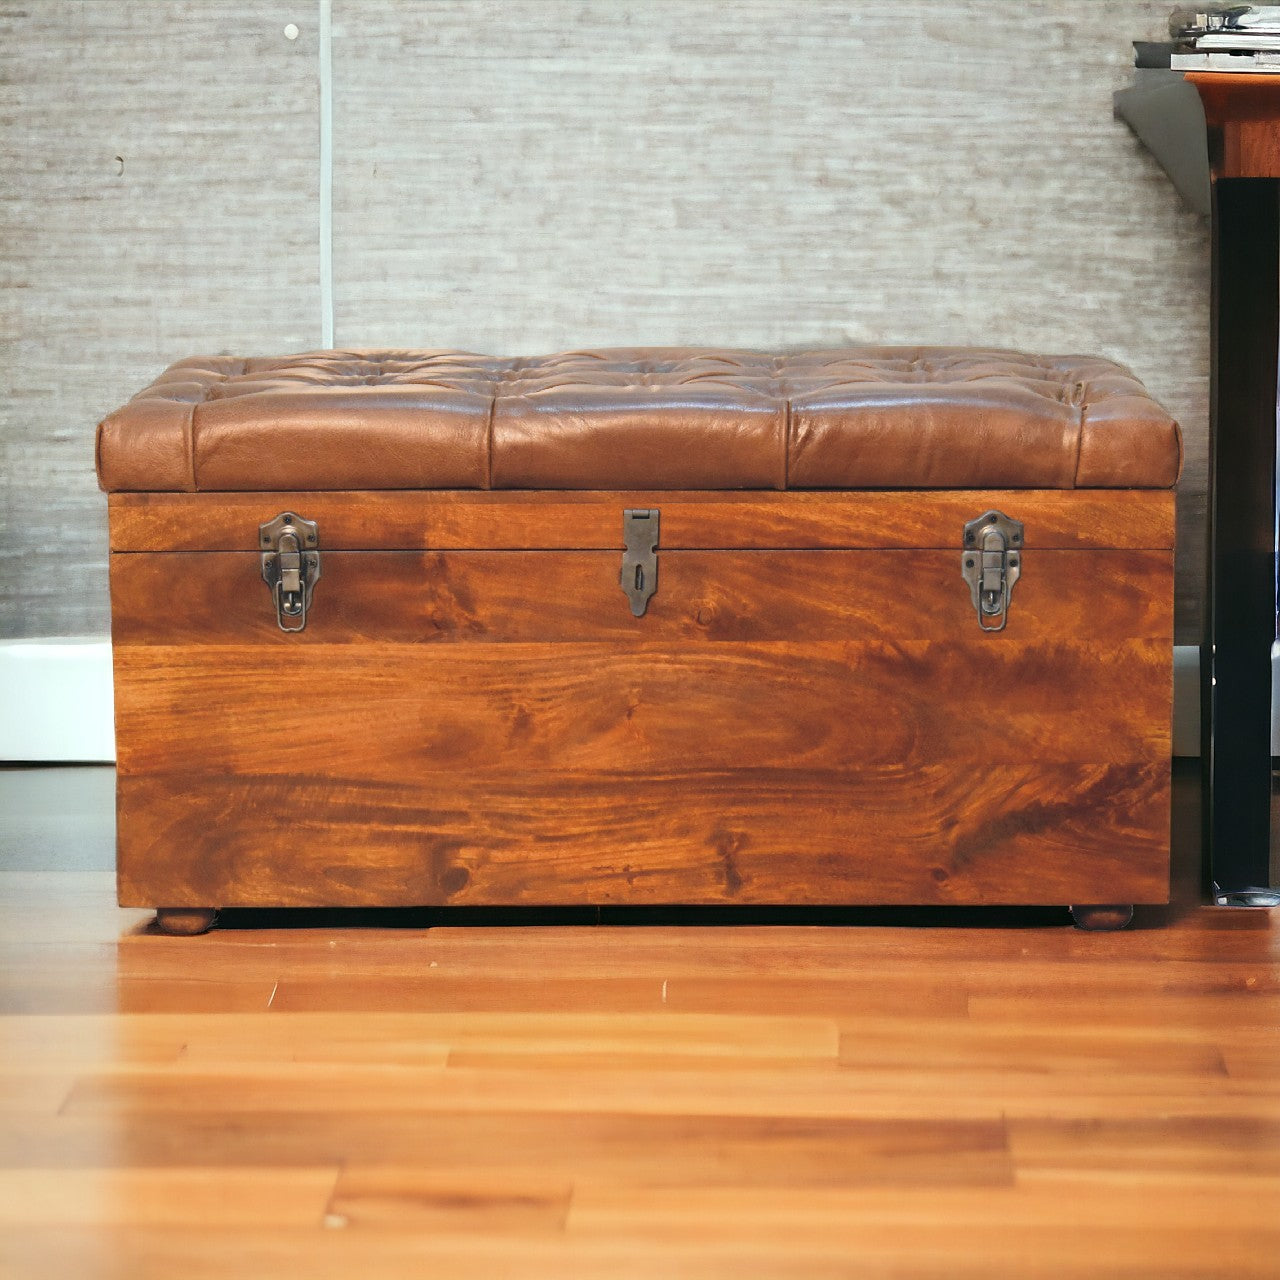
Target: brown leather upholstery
(642, 418)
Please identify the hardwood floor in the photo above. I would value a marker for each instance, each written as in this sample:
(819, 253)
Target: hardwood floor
(349, 1099)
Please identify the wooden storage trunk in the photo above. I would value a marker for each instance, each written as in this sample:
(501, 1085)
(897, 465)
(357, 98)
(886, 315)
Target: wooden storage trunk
(906, 636)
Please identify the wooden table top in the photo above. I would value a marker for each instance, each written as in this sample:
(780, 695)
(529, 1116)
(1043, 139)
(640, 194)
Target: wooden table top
(1243, 116)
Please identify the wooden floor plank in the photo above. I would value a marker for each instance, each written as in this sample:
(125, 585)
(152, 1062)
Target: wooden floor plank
(28, 1088)
(783, 1101)
(336, 1254)
(1195, 1146)
(486, 1203)
(655, 1035)
(624, 1085)
(172, 1197)
(1017, 1231)
(644, 1150)
(765, 1212)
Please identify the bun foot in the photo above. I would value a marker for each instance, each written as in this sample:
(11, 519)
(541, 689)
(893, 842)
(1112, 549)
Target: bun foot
(1103, 918)
(185, 922)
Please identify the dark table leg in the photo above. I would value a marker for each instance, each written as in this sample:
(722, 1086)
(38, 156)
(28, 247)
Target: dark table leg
(1242, 523)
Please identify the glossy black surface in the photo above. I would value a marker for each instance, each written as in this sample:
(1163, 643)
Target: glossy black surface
(1236, 662)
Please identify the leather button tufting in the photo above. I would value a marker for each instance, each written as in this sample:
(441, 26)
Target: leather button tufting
(650, 417)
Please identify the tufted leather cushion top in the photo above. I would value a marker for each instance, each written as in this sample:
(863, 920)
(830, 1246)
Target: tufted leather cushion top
(642, 418)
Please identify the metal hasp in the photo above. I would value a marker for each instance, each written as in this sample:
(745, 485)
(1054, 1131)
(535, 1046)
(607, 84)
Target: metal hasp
(640, 556)
(290, 566)
(991, 563)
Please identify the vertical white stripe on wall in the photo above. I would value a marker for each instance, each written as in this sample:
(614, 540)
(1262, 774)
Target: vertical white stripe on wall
(326, 173)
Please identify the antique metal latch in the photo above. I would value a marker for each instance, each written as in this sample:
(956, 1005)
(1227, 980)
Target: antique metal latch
(290, 566)
(640, 557)
(991, 563)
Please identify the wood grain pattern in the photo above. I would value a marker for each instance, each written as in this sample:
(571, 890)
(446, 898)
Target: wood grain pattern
(462, 521)
(1244, 110)
(567, 708)
(928, 834)
(696, 1102)
(147, 1197)
(886, 598)
(489, 727)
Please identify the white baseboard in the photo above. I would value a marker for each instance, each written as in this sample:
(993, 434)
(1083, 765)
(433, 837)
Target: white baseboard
(56, 704)
(55, 701)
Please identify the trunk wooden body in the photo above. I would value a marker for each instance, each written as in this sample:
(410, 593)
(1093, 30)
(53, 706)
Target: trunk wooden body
(808, 711)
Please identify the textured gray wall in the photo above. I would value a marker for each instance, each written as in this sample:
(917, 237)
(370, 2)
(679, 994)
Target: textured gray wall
(525, 175)
(202, 237)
